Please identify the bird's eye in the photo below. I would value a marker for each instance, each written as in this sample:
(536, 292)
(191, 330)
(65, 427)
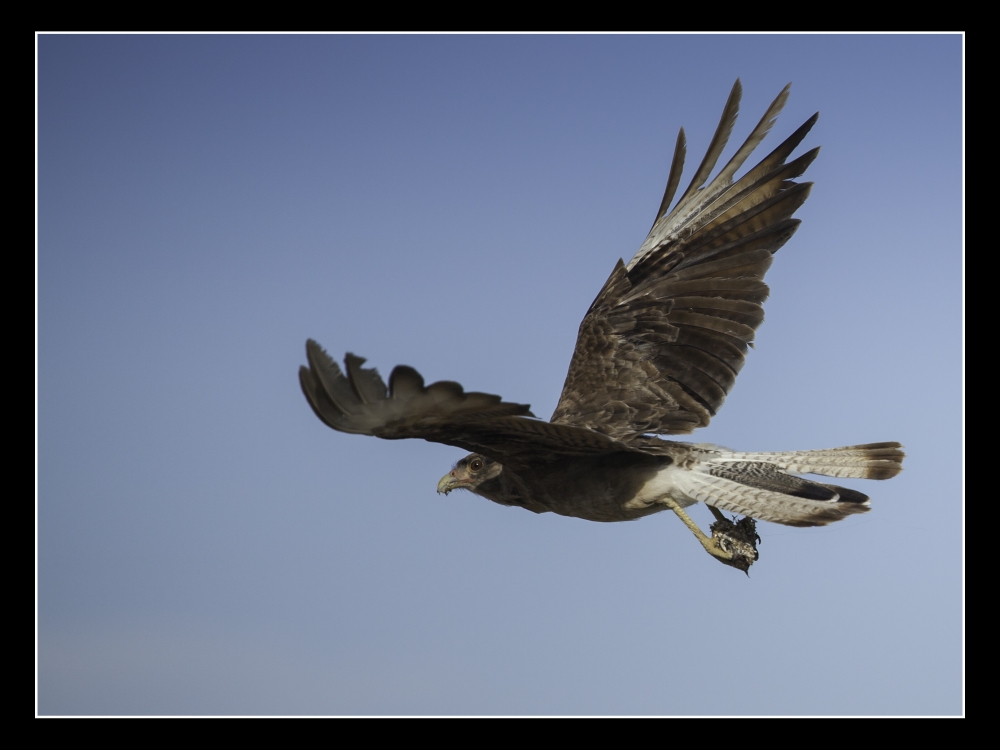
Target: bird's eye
(476, 464)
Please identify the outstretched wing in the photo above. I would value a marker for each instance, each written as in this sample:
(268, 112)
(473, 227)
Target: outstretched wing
(442, 412)
(661, 346)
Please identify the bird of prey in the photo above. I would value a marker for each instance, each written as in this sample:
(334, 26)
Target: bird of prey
(656, 354)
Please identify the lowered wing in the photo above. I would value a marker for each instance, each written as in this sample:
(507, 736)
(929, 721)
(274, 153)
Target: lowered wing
(660, 347)
(359, 402)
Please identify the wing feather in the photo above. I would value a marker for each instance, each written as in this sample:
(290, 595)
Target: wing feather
(661, 346)
(719, 141)
(360, 403)
(676, 168)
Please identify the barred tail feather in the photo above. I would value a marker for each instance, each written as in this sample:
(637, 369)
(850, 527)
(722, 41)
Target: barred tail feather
(771, 498)
(868, 461)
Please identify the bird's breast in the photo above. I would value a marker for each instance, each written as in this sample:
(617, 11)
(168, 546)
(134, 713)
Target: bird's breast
(602, 489)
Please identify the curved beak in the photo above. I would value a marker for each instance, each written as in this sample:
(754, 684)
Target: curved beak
(449, 482)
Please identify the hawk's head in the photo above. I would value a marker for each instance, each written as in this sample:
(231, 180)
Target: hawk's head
(469, 473)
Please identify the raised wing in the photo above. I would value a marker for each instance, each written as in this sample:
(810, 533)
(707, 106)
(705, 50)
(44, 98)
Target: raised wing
(660, 347)
(442, 412)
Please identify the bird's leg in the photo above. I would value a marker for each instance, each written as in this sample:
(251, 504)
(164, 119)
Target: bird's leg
(730, 543)
(707, 542)
(718, 514)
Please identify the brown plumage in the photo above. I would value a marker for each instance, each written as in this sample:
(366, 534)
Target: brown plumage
(656, 354)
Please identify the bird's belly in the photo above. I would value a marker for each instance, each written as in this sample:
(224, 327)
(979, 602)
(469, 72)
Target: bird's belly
(605, 490)
(667, 482)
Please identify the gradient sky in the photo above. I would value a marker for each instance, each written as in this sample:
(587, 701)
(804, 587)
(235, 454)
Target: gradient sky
(207, 546)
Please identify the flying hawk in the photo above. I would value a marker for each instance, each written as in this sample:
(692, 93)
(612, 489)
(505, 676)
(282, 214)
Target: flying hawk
(656, 354)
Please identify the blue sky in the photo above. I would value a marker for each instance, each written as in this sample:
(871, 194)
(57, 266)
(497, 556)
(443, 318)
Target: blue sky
(207, 546)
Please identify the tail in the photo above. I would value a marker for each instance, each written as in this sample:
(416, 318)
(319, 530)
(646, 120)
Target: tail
(869, 461)
(756, 485)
